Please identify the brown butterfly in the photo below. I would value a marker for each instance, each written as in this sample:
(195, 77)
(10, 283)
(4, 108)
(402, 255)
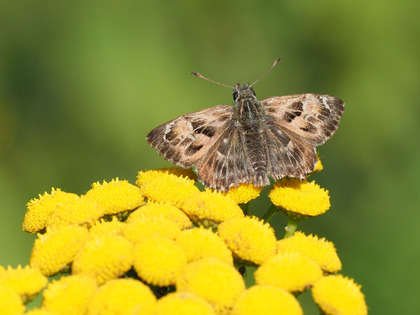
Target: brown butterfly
(251, 140)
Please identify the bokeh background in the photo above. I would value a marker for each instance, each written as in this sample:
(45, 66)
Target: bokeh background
(82, 83)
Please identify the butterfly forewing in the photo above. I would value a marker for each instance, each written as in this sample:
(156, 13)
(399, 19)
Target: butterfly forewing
(314, 117)
(184, 140)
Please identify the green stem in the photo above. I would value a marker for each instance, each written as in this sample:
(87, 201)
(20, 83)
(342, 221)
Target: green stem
(291, 227)
(269, 213)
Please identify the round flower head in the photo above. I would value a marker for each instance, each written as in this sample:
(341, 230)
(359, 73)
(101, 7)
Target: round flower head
(300, 197)
(104, 258)
(210, 208)
(122, 296)
(215, 281)
(69, 295)
(319, 250)
(82, 211)
(179, 171)
(166, 187)
(40, 311)
(116, 196)
(152, 209)
(55, 249)
(103, 228)
(27, 282)
(336, 294)
(318, 166)
(292, 272)
(183, 303)
(10, 301)
(249, 239)
(200, 243)
(144, 227)
(244, 193)
(159, 260)
(40, 209)
(264, 300)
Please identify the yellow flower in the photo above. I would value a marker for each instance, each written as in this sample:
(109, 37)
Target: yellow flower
(102, 228)
(179, 171)
(249, 239)
(318, 166)
(217, 282)
(319, 250)
(200, 243)
(122, 296)
(210, 208)
(144, 227)
(183, 303)
(244, 193)
(10, 301)
(40, 209)
(69, 295)
(162, 210)
(104, 258)
(336, 294)
(40, 311)
(265, 300)
(166, 187)
(26, 281)
(292, 272)
(82, 211)
(158, 260)
(116, 196)
(300, 197)
(56, 248)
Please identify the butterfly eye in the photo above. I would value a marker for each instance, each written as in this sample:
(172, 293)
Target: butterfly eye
(253, 92)
(235, 95)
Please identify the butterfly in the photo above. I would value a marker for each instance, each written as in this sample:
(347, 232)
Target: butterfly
(251, 140)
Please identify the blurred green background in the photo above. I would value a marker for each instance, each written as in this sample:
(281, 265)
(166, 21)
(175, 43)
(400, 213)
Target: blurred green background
(82, 83)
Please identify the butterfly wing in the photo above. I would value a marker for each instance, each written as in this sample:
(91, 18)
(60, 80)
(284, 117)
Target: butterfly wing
(314, 117)
(184, 140)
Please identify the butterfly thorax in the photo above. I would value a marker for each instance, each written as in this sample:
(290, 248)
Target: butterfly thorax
(249, 112)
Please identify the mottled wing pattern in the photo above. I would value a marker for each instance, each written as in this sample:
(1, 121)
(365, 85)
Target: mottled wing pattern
(288, 154)
(227, 164)
(184, 140)
(314, 117)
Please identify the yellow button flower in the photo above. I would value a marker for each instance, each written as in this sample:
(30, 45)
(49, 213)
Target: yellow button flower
(40, 209)
(244, 193)
(215, 281)
(27, 281)
(116, 196)
(266, 300)
(165, 187)
(144, 227)
(40, 311)
(318, 166)
(104, 258)
(200, 243)
(159, 260)
(210, 208)
(103, 228)
(121, 297)
(10, 301)
(319, 250)
(183, 303)
(336, 294)
(69, 295)
(152, 209)
(249, 238)
(300, 197)
(292, 272)
(56, 248)
(82, 211)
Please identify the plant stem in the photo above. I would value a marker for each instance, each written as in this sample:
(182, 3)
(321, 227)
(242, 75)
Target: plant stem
(291, 227)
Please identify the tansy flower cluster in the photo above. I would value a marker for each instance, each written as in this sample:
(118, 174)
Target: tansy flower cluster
(162, 246)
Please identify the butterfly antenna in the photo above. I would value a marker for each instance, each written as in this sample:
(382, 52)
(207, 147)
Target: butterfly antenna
(274, 64)
(203, 77)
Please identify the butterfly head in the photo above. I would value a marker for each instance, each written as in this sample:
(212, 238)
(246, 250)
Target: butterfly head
(243, 92)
